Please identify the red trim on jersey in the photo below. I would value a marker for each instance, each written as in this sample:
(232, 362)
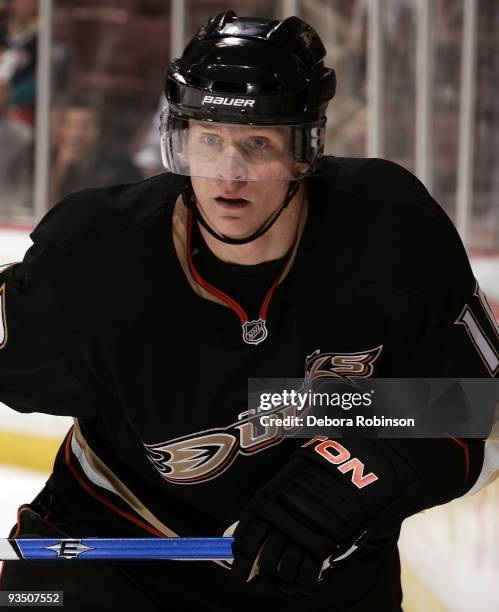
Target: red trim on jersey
(266, 302)
(466, 449)
(241, 313)
(100, 498)
(253, 449)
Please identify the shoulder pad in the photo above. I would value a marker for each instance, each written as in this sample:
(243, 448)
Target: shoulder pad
(104, 211)
(390, 229)
(371, 176)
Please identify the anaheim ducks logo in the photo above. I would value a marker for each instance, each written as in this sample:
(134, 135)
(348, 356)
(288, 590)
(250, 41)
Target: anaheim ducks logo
(194, 459)
(205, 455)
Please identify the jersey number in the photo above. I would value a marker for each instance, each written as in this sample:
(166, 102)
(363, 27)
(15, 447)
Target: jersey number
(483, 341)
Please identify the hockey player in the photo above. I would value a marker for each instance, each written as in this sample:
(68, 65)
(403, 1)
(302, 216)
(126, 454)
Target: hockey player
(142, 310)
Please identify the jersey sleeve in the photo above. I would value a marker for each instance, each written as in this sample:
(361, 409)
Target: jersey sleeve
(33, 374)
(446, 330)
(453, 335)
(70, 284)
(457, 333)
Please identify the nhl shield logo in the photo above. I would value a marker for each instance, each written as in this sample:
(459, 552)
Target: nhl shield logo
(254, 332)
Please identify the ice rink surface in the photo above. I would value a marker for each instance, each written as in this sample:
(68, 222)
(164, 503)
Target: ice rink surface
(19, 485)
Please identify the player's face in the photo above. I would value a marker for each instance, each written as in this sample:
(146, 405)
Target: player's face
(249, 169)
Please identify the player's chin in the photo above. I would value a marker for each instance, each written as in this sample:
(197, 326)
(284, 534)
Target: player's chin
(233, 224)
(232, 229)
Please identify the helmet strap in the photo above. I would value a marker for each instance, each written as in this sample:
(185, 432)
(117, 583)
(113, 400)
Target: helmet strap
(190, 202)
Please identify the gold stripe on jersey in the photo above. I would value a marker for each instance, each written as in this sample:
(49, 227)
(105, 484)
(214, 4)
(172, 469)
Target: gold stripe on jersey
(99, 473)
(179, 229)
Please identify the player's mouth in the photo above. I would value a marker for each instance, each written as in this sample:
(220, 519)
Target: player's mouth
(231, 203)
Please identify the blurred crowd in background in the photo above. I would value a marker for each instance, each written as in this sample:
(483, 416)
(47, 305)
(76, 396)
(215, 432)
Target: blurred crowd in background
(108, 65)
(18, 55)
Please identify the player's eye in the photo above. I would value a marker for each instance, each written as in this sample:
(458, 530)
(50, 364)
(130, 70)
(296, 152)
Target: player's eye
(210, 140)
(258, 144)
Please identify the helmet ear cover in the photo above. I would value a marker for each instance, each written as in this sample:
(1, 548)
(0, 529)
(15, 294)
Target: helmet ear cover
(309, 144)
(172, 141)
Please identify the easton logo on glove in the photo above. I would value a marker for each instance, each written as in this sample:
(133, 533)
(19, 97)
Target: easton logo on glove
(338, 455)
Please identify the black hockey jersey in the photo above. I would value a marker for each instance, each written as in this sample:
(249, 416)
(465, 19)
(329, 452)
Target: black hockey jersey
(108, 320)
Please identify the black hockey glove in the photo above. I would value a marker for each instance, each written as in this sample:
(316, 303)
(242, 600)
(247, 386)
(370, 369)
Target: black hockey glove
(333, 492)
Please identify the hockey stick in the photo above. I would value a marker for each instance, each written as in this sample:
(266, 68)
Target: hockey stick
(213, 549)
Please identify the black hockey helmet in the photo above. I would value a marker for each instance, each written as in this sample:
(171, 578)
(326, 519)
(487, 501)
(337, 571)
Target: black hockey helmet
(247, 70)
(253, 72)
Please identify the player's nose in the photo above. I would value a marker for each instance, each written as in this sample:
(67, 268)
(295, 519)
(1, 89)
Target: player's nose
(231, 166)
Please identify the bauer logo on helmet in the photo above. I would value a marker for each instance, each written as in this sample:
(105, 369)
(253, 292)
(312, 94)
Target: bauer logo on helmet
(228, 101)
